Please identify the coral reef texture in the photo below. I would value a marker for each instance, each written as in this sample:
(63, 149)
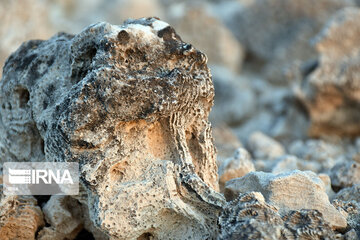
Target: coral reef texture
(226, 119)
(130, 104)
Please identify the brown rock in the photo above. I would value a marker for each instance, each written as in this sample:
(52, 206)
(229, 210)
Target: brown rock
(20, 217)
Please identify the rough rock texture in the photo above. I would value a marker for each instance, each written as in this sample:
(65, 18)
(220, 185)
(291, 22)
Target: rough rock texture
(345, 174)
(250, 217)
(237, 166)
(264, 147)
(331, 91)
(351, 210)
(20, 217)
(289, 191)
(130, 104)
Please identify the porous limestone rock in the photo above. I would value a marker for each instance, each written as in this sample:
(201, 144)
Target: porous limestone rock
(20, 217)
(345, 174)
(130, 104)
(249, 216)
(289, 191)
(264, 147)
(331, 91)
(351, 210)
(237, 166)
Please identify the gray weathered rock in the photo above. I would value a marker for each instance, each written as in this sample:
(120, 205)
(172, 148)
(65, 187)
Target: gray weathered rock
(345, 174)
(250, 217)
(130, 104)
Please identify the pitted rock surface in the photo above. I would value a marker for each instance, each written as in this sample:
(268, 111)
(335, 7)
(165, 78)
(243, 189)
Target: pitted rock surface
(130, 103)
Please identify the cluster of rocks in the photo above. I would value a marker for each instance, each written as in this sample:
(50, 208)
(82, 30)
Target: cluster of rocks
(276, 157)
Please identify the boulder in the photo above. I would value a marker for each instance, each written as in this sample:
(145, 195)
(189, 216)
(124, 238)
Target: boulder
(130, 104)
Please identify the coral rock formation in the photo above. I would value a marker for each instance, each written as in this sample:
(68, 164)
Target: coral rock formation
(20, 217)
(129, 103)
(250, 217)
(289, 191)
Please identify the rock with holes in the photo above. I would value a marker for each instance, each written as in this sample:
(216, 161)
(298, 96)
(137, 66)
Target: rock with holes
(351, 210)
(20, 217)
(130, 104)
(289, 191)
(249, 216)
(331, 93)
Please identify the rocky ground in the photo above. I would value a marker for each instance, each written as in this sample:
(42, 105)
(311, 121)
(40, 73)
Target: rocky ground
(233, 120)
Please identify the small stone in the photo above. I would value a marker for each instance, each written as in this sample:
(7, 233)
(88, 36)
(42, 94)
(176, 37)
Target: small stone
(237, 166)
(345, 174)
(289, 191)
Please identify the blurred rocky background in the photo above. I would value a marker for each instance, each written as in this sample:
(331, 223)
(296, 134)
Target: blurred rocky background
(286, 74)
